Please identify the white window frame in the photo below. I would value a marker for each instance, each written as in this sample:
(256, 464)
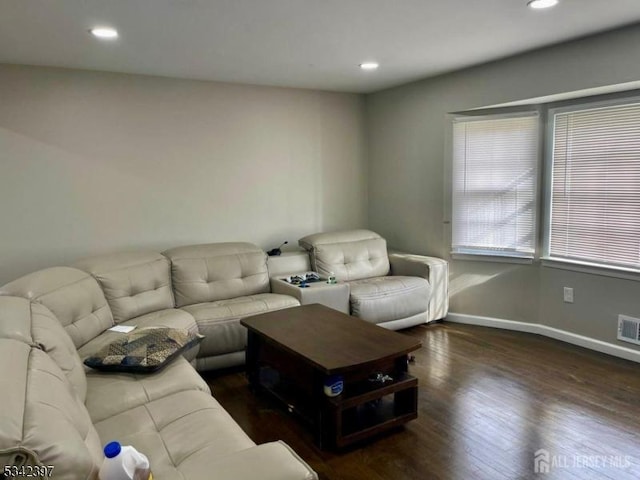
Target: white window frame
(497, 257)
(609, 270)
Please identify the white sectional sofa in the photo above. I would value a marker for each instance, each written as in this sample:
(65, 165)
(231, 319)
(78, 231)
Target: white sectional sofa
(57, 412)
(56, 415)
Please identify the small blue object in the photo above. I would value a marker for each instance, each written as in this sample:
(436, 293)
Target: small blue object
(333, 385)
(112, 449)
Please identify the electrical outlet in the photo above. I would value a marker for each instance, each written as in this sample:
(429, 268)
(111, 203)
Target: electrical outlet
(568, 295)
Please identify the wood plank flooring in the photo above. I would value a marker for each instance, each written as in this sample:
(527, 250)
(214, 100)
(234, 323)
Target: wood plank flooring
(488, 401)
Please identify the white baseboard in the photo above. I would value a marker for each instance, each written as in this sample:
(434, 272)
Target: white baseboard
(573, 338)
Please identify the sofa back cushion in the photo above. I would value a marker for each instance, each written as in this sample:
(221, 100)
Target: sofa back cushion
(350, 255)
(42, 421)
(217, 271)
(135, 283)
(35, 325)
(74, 297)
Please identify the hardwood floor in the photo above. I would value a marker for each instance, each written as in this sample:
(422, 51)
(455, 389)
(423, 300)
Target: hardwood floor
(488, 401)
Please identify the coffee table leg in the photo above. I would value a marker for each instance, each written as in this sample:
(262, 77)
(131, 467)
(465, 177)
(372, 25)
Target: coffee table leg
(402, 363)
(319, 437)
(253, 372)
(322, 420)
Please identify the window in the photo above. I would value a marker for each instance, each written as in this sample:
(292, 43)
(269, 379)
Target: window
(495, 172)
(594, 190)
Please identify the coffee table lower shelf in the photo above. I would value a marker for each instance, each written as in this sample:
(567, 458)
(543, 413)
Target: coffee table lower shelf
(364, 410)
(373, 409)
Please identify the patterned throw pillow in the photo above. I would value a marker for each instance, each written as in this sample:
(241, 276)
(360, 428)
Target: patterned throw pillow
(143, 351)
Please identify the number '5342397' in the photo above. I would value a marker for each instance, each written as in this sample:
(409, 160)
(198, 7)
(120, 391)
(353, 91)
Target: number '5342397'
(27, 471)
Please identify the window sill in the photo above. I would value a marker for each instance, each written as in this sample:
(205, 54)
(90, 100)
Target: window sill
(478, 257)
(591, 268)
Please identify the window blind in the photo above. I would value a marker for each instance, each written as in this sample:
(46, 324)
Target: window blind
(595, 194)
(495, 169)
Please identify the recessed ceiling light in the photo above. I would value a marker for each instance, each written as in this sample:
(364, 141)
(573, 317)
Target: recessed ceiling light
(104, 32)
(369, 66)
(538, 4)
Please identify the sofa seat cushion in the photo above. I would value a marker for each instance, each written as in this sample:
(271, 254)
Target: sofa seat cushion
(382, 299)
(273, 460)
(171, 318)
(109, 394)
(219, 321)
(176, 431)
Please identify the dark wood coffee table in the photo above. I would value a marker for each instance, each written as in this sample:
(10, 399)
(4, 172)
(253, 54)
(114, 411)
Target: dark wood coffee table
(291, 352)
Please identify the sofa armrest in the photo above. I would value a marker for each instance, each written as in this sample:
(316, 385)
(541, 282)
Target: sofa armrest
(435, 270)
(334, 296)
(288, 262)
(269, 461)
(281, 287)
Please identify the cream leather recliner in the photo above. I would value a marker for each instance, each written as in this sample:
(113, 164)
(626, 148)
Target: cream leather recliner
(218, 284)
(392, 290)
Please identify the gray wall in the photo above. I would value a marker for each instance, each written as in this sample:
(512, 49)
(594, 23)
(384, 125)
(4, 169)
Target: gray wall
(96, 162)
(409, 203)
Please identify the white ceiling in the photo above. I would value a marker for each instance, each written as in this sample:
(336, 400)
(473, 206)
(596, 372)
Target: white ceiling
(294, 43)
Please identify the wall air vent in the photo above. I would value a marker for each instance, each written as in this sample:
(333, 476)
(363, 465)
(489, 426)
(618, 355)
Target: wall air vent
(629, 329)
